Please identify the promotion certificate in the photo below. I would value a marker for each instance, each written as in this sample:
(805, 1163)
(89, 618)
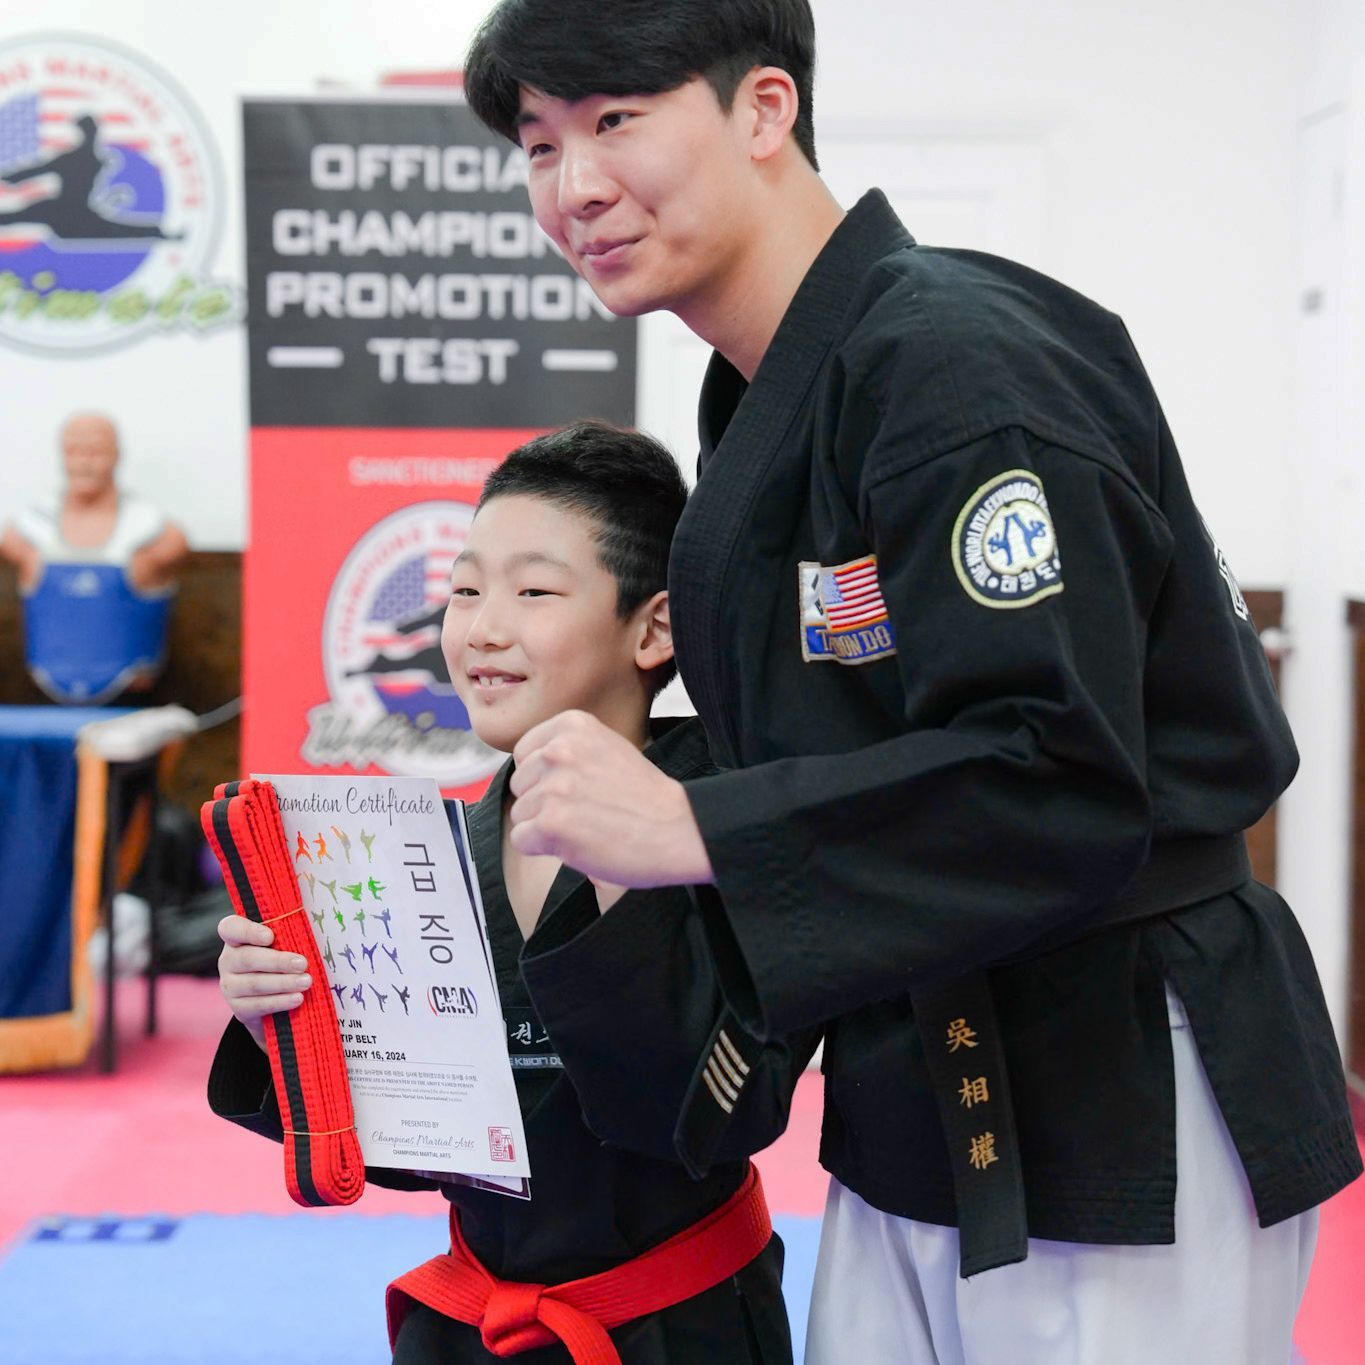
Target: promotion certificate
(394, 902)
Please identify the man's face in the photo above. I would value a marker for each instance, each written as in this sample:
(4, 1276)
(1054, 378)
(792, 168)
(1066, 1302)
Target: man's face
(644, 194)
(89, 454)
(532, 628)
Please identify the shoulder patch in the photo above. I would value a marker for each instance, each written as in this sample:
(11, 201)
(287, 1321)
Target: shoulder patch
(1239, 603)
(1004, 544)
(843, 614)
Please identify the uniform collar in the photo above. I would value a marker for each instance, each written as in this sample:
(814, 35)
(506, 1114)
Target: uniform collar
(815, 319)
(750, 441)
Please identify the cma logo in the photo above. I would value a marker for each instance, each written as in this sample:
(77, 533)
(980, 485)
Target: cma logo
(452, 1000)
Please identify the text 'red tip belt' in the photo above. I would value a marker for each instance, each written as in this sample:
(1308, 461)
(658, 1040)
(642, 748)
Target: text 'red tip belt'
(513, 1317)
(322, 1161)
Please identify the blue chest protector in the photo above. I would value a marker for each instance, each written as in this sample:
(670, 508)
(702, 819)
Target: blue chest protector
(88, 633)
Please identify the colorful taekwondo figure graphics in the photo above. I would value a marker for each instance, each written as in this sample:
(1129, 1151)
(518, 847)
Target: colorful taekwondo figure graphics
(110, 200)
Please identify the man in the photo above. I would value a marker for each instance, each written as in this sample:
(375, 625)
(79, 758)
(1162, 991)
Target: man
(994, 717)
(97, 572)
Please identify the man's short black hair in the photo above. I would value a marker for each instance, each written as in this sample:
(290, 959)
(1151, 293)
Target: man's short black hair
(570, 49)
(625, 483)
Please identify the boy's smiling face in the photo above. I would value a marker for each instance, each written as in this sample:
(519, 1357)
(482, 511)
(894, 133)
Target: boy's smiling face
(532, 627)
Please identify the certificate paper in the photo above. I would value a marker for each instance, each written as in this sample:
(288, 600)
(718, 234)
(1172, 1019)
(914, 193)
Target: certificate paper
(396, 912)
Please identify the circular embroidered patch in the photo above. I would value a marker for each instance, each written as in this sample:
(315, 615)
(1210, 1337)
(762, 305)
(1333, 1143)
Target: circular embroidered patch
(1004, 544)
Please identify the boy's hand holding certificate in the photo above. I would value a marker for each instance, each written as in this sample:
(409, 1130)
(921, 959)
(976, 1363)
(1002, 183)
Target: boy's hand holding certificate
(395, 907)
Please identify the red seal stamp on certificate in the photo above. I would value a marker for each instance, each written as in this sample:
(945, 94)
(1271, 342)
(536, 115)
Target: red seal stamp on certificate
(500, 1146)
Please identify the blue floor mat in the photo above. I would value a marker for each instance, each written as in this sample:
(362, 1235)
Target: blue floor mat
(185, 1291)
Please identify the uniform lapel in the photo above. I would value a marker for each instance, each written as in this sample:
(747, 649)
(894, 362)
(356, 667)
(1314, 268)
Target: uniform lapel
(748, 436)
(485, 839)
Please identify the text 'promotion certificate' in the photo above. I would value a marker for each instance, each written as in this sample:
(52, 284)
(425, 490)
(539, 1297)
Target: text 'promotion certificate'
(395, 906)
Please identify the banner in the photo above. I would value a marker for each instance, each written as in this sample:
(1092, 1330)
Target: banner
(409, 325)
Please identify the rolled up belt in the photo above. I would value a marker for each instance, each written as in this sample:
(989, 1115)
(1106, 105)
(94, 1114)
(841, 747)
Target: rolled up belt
(322, 1158)
(514, 1317)
(966, 1058)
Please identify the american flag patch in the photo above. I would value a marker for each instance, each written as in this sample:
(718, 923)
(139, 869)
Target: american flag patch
(843, 613)
(851, 596)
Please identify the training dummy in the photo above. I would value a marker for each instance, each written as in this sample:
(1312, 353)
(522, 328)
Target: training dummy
(97, 575)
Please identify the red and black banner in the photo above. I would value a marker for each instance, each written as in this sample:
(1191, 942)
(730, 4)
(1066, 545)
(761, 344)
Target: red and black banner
(409, 325)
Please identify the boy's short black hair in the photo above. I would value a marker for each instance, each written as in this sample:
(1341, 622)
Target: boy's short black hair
(625, 483)
(569, 49)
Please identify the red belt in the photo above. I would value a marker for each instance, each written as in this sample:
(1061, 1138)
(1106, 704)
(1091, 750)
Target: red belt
(513, 1317)
(322, 1160)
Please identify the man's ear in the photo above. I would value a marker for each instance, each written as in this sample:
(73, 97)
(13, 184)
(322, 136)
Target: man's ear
(770, 95)
(654, 641)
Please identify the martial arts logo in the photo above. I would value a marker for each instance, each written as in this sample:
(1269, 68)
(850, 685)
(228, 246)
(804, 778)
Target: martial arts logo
(110, 200)
(453, 1001)
(393, 704)
(843, 614)
(1004, 545)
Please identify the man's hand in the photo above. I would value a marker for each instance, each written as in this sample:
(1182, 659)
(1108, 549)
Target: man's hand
(587, 796)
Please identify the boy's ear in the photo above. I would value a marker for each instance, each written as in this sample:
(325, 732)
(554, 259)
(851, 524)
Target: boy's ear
(654, 643)
(772, 102)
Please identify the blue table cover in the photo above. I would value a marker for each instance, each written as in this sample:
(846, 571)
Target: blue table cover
(37, 839)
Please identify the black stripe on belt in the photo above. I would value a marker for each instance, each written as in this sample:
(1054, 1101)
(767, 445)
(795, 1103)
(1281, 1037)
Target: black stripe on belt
(284, 1029)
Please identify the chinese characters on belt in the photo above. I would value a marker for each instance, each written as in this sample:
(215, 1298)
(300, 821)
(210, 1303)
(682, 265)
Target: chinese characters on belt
(974, 1091)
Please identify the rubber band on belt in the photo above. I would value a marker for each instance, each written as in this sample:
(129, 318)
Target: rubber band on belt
(513, 1317)
(322, 1160)
(966, 1059)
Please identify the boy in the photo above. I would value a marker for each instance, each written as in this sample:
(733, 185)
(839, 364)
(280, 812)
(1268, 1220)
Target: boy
(991, 716)
(558, 601)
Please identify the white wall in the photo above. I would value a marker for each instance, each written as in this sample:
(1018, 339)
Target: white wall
(1327, 509)
(1166, 128)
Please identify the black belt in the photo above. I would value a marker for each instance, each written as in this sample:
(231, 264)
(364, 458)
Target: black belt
(966, 1056)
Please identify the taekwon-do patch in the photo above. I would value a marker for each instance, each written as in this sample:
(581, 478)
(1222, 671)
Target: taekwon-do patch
(843, 614)
(1004, 543)
(1239, 603)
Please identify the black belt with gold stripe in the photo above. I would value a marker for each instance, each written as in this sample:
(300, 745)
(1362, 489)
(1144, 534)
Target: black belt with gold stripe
(965, 1052)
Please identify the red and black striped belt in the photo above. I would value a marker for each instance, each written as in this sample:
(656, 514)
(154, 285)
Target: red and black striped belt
(322, 1160)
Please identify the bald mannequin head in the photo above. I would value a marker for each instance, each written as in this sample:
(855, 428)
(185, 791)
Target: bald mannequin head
(90, 452)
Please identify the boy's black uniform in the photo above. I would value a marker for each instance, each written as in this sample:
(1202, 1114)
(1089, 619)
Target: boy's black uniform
(627, 1000)
(949, 613)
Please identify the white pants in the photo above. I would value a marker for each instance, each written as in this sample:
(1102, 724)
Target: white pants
(887, 1290)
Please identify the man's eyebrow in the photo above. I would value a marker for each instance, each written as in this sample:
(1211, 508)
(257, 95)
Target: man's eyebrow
(525, 118)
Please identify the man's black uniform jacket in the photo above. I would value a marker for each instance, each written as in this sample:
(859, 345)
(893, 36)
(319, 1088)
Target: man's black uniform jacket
(931, 766)
(628, 1002)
